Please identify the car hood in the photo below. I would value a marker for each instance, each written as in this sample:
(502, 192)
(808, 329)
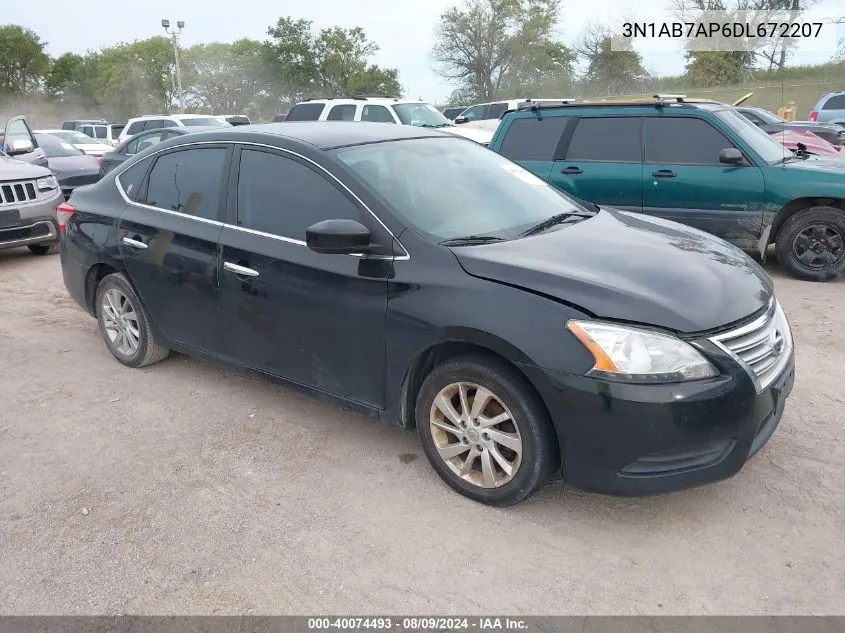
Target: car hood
(13, 169)
(826, 164)
(474, 134)
(74, 165)
(633, 268)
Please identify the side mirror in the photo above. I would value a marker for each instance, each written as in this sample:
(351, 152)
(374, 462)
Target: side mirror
(19, 146)
(460, 119)
(731, 156)
(338, 237)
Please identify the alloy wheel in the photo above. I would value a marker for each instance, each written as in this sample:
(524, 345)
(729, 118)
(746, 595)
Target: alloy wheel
(819, 246)
(120, 321)
(475, 435)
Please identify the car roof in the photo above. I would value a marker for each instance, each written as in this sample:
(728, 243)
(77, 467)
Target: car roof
(174, 116)
(356, 100)
(321, 134)
(190, 129)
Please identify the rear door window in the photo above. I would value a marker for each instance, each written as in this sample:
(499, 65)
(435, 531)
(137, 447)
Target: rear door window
(188, 181)
(606, 139)
(683, 141)
(87, 130)
(533, 138)
(134, 128)
(345, 112)
(836, 102)
(305, 112)
(377, 114)
(100, 131)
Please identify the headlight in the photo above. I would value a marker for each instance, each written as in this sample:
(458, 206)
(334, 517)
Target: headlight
(631, 354)
(47, 183)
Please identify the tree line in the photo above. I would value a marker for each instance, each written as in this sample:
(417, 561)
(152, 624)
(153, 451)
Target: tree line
(487, 49)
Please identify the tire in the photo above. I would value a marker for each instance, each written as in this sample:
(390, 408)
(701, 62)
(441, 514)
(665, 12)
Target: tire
(819, 227)
(51, 248)
(512, 397)
(115, 296)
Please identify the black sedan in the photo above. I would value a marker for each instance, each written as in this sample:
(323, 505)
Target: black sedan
(429, 282)
(772, 124)
(71, 167)
(138, 143)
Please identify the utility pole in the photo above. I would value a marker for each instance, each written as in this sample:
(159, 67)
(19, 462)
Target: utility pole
(174, 34)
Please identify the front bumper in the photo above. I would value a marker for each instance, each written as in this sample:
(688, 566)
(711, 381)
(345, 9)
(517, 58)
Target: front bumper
(631, 439)
(35, 223)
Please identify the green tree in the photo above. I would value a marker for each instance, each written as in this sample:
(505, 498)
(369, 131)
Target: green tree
(332, 63)
(609, 72)
(495, 47)
(23, 62)
(716, 68)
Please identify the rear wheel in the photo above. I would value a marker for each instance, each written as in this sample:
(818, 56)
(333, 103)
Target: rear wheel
(125, 324)
(50, 248)
(485, 431)
(811, 244)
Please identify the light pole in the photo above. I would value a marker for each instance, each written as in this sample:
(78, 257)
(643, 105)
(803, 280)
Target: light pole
(174, 35)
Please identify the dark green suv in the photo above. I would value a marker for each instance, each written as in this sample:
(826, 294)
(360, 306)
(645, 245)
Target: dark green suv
(696, 162)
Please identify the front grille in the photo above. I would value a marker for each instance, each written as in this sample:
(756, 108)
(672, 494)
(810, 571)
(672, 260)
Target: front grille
(17, 192)
(763, 347)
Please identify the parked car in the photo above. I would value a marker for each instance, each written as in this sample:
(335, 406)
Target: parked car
(156, 121)
(80, 141)
(140, 142)
(486, 116)
(829, 109)
(696, 162)
(237, 119)
(75, 123)
(382, 110)
(107, 133)
(71, 167)
(29, 196)
(451, 112)
(19, 142)
(279, 117)
(807, 143)
(429, 282)
(771, 123)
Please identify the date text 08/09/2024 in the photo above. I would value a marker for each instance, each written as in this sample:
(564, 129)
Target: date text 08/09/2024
(416, 623)
(722, 29)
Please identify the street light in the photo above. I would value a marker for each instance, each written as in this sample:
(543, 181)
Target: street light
(174, 35)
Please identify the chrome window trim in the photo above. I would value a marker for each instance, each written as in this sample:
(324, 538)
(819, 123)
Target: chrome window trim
(119, 171)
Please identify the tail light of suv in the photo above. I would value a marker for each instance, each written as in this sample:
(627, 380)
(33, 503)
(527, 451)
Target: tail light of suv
(814, 116)
(63, 213)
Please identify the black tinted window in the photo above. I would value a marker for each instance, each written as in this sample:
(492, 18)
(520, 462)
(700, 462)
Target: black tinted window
(751, 116)
(100, 131)
(131, 179)
(305, 112)
(496, 110)
(344, 112)
(683, 141)
(282, 196)
(135, 127)
(188, 181)
(377, 114)
(611, 139)
(835, 103)
(533, 138)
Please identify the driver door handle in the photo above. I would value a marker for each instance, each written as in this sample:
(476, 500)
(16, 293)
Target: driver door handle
(240, 270)
(133, 243)
(572, 170)
(664, 173)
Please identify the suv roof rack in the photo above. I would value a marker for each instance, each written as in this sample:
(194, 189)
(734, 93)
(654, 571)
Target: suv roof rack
(536, 104)
(375, 96)
(661, 99)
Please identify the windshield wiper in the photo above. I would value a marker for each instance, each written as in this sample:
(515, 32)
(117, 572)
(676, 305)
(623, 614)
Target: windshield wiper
(560, 218)
(470, 240)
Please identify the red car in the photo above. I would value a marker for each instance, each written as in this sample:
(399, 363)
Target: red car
(812, 144)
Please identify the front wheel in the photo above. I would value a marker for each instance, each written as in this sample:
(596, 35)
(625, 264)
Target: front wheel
(485, 431)
(811, 245)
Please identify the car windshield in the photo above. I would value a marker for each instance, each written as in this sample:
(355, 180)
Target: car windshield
(420, 114)
(77, 138)
(768, 117)
(450, 188)
(763, 145)
(55, 147)
(212, 120)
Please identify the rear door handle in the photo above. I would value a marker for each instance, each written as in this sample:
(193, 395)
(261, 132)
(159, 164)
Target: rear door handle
(133, 243)
(663, 173)
(572, 170)
(240, 270)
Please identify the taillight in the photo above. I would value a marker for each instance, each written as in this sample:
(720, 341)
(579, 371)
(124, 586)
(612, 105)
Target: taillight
(63, 213)
(814, 116)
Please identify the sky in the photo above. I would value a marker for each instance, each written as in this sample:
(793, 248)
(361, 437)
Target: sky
(402, 28)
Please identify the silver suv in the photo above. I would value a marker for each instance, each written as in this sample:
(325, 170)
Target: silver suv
(29, 193)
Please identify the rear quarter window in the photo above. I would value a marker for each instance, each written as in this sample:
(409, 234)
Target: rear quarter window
(533, 138)
(836, 102)
(130, 179)
(305, 112)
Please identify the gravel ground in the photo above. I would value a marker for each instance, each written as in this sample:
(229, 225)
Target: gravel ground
(187, 488)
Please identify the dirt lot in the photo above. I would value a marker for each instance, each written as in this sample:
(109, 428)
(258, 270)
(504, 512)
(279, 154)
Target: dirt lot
(186, 488)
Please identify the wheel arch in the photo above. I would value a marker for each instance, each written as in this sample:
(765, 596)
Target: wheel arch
(797, 205)
(94, 276)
